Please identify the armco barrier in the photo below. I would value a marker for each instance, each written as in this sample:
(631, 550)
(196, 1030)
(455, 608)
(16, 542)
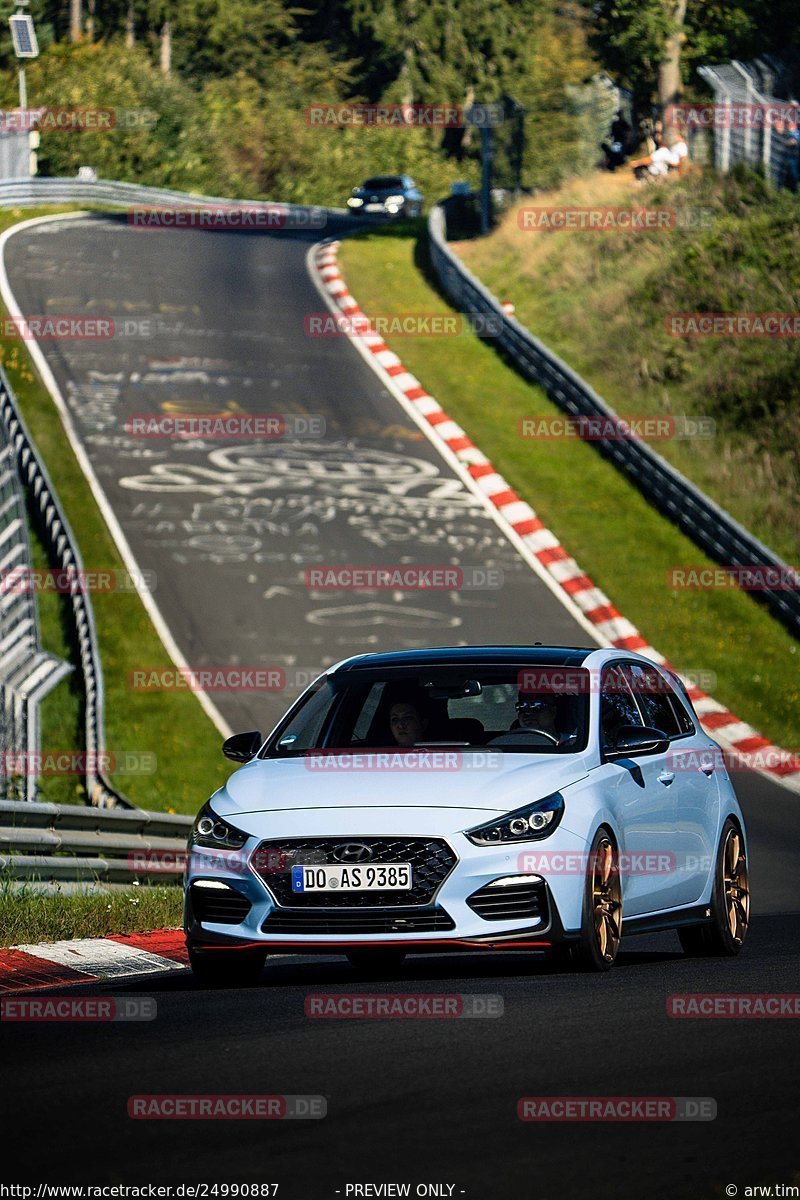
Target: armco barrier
(26, 192)
(44, 846)
(708, 525)
(27, 672)
(57, 535)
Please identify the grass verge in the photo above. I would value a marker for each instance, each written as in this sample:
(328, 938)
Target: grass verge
(749, 661)
(171, 725)
(603, 301)
(28, 917)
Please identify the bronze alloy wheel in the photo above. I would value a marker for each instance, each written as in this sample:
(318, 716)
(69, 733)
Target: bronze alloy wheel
(606, 900)
(736, 885)
(601, 923)
(724, 931)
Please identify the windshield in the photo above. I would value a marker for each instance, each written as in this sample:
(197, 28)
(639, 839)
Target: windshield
(512, 709)
(381, 182)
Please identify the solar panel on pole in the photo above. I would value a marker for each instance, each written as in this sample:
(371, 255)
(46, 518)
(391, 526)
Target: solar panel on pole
(24, 36)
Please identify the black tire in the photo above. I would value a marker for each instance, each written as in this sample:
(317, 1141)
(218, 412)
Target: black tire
(601, 925)
(227, 968)
(723, 936)
(382, 959)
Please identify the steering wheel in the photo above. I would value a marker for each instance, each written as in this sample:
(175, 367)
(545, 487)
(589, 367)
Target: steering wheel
(542, 733)
(502, 739)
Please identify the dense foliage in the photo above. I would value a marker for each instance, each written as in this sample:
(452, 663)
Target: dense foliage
(629, 36)
(231, 108)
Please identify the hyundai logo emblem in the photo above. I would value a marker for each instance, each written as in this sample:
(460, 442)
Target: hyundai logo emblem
(352, 852)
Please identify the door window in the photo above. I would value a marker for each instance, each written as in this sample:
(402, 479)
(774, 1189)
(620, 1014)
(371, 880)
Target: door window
(617, 706)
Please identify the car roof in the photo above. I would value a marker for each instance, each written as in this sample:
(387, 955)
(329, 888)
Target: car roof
(440, 656)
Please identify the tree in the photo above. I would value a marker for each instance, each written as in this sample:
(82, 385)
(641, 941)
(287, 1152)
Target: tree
(669, 69)
(653, 47)
(75, 21)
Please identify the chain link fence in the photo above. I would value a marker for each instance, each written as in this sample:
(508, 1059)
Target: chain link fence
(748, 127)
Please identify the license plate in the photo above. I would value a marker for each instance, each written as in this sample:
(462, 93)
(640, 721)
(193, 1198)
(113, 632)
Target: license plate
(388, 877)
(374, 207)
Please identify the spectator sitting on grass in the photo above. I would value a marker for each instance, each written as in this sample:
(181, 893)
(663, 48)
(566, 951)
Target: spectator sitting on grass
(663, 159)
(680, 149)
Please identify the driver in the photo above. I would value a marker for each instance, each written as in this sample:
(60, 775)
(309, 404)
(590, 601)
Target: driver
(537, 713)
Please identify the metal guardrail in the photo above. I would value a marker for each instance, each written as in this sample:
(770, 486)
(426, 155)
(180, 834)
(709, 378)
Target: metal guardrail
(58, 537)
(27, 672)
(25, 192)
(47, 846)
(708, 525)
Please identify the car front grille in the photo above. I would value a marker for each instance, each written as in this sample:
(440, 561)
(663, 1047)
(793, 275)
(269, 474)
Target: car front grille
(514, 902)
(398, 920)
(431, 861)
(214, 906)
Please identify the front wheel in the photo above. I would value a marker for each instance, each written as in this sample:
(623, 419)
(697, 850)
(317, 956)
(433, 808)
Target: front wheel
(601, 927)
(227, 968)
(724, 934)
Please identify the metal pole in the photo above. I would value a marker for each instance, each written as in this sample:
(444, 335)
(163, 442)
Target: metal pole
(23, 90)
(486, 178)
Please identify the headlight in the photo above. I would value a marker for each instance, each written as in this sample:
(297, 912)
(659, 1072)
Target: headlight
(536, 820)
(355, 202)
(394, 200)
(211, 830)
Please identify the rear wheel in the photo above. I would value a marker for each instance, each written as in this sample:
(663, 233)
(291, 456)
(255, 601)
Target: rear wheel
(724, 934)
(601, 928)
(227, 968)
(383, 959)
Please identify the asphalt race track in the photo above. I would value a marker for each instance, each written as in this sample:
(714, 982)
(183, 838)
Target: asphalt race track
(228, 530)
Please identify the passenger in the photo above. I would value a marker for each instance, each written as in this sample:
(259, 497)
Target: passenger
(407, 723)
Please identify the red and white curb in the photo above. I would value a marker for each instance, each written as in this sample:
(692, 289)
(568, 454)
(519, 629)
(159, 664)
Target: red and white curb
(87, 960)
(540, 546)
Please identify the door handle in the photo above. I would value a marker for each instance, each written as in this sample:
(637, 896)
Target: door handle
(666, 777)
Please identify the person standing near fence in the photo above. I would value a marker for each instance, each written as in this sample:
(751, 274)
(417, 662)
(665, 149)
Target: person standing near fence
(791, 141)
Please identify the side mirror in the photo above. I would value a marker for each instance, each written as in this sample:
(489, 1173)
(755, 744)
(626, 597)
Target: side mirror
(242, 746)
(638, 739)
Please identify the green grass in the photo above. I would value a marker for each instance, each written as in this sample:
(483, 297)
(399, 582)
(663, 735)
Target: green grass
(172, 725)
(28, 917)
(601, 301)
(617, 537)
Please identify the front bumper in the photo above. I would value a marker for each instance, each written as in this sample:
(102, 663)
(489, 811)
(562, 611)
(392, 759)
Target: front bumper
(246, 910)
